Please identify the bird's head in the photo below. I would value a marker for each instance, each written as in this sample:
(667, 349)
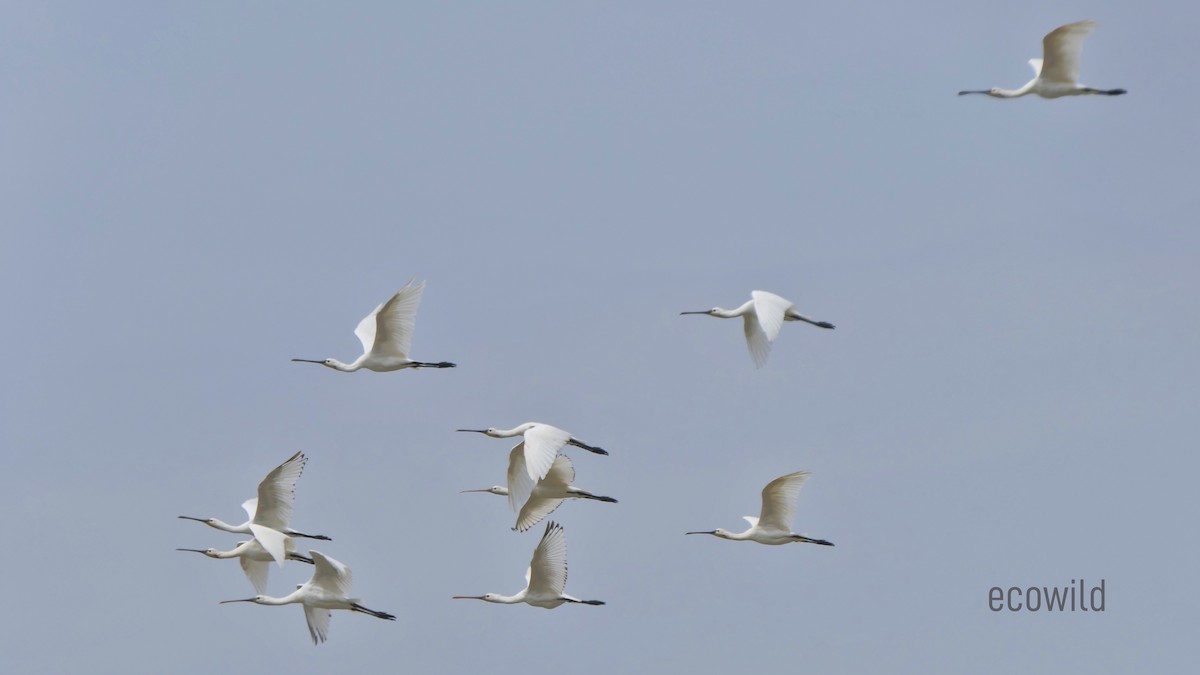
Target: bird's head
(495, 489)
(211, 522)
(210, 552)
(490, 431)
(328, 363)
(486, 597)
(710, 312)
(723, 534)
(258, 600)
(994, 92)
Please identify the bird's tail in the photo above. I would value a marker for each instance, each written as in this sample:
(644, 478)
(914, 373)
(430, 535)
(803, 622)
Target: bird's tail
(379, 615)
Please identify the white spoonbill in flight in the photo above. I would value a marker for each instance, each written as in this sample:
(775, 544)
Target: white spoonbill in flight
(774, 524)
(542, 444)
(386, 336)
(271, 510)
(328, 589)
(547, 494)
(546, 577)
(256, 562)
(762, 318)
(1056, 74)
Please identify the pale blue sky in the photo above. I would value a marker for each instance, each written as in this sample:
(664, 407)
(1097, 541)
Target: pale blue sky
(194, 193)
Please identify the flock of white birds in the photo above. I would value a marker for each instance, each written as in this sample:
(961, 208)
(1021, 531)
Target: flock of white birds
(539, 476)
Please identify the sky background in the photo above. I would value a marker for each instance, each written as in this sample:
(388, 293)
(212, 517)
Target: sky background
(195, 193)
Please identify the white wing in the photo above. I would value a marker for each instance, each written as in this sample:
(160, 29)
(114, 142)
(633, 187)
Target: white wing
(756, 340)
(1036, 64)
(318, 623)
(770, 309)
(257, 572)
(542, 443)
(779, 501)
(535, 510)
(251, 506)
(277, 494)
(388, 330)
(751, 519)
(1061, 50)
(520, 483)
(273, 542)
(548, 569)
(562, 472)
(330, 575)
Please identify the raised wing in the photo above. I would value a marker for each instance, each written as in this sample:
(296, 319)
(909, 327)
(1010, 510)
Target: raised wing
(751, 519)
(548, 569)
(257, 572)
(520, 483)
(1036, 64)
(330, 575)
(277, 494)
(770, 309)
(273, 541)
(318, 623)
(394, 322)
(1062, 49)
(250, 506)
(542, 444)
(779, 501)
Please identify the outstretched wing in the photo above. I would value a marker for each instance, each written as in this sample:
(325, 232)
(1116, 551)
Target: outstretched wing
(556, 481)
(756, 340)
(257, 572)
(330, 575)
(273, 541)
(779, 501)
(393, 323)
(548, 568)
(1061, 51)
(770, 309)
(277, 494)
(318, 623)
(542, 444)
(520, 483)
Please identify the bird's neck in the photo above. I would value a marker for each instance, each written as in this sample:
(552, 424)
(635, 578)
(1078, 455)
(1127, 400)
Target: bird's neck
(733, 313)
(222, 525)
(509, 599)
(344, 367)
(1016, 93)
(509, 433)
(740, 536)
(269, 600)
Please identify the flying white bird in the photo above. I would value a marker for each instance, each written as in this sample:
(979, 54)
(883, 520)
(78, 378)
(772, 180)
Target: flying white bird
(542, 444)
(256, 562)
(386, 336)
(1056, 74)
(547, 494)
(762, 318)
(546, 577)
(271, 510)
(774, 524)
(327, 589)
